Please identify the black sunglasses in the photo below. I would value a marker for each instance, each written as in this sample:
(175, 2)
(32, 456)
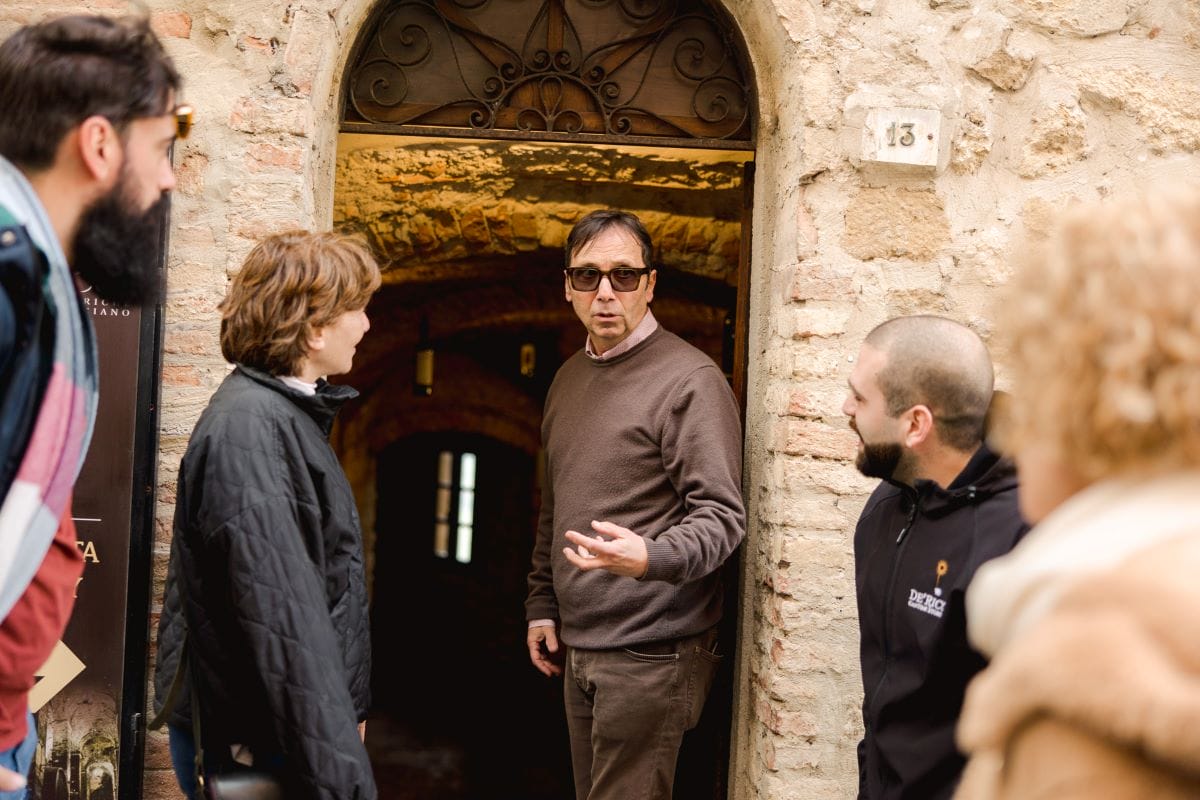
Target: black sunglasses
(622, 279)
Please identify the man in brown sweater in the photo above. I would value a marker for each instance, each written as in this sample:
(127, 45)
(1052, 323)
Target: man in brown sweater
(642, 505)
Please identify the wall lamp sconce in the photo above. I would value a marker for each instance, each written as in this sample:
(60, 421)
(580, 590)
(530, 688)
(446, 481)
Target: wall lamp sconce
(528, 360)
(423, 378)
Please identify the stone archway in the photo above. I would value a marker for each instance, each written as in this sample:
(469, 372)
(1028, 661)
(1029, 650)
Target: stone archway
(269, 79)
(471, 232)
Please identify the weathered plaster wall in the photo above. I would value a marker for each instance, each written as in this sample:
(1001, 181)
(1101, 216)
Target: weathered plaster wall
(1050, 100)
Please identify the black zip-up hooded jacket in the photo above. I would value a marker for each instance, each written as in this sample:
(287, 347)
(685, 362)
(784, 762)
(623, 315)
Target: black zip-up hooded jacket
(915, 551)
(268, 546)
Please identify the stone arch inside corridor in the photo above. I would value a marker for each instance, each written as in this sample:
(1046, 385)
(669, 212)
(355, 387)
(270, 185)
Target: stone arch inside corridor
(514, 119)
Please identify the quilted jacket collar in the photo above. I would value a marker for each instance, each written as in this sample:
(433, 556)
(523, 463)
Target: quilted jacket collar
(322, 406)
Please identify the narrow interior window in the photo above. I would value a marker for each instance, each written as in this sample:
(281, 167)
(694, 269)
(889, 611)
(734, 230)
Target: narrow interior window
(445, 485)
(466, 507)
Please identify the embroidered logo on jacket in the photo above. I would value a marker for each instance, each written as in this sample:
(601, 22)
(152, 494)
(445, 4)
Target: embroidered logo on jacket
(931, 604)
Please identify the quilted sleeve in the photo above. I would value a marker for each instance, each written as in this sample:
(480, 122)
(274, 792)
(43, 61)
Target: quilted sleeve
(280, 604)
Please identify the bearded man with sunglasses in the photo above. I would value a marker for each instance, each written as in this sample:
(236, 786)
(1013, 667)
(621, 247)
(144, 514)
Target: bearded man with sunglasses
(87, 120)
(641, 506)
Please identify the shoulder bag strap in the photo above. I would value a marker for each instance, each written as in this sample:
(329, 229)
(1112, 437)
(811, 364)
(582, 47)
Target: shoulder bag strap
(172, 700)
(177, 682)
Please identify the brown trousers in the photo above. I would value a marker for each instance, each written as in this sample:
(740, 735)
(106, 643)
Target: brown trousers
(627, 711)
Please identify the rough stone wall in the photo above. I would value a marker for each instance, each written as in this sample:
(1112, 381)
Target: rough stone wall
(1047, 100)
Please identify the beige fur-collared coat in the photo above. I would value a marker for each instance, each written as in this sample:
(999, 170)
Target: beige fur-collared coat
(1099, 697)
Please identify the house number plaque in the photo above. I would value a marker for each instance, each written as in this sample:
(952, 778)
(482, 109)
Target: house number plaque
(902, 136)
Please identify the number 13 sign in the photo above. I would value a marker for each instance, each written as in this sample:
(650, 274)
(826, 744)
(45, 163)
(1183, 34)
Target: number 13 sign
(902, 136)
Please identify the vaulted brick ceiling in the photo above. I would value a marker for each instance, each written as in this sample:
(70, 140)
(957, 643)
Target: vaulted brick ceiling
(470, 235)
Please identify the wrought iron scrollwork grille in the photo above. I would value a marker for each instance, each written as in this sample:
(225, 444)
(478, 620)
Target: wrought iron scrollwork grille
(658, 70)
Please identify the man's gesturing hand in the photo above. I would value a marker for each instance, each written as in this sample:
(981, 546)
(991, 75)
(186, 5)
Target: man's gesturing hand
(618, 550)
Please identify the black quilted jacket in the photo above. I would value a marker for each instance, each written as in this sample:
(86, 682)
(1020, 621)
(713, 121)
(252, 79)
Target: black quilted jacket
(268, 545)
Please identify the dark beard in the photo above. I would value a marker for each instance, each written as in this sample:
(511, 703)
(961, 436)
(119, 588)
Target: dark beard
(117, 249)
(879, 460)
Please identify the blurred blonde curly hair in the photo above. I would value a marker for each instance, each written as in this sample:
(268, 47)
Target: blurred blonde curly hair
(1104, 323)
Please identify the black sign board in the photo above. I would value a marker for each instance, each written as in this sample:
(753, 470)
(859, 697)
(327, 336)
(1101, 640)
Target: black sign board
(90, 699)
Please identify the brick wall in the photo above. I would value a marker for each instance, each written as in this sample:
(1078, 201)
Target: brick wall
(1048, 101)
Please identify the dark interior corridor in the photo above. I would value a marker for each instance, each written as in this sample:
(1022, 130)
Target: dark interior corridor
(460, 712)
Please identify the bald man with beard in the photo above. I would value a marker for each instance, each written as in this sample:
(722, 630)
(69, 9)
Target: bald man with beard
(918, 398)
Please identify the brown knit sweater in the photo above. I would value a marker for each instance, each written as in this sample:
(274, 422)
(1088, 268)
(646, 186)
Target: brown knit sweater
(651, 441)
